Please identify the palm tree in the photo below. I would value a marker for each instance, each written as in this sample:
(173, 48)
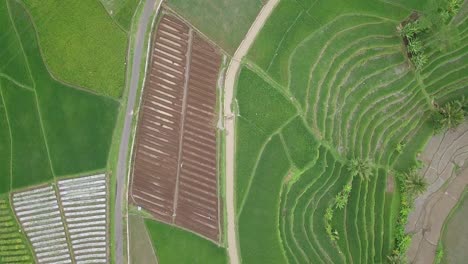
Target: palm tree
(409, 30)
(452, 114)
(415, 183)
(453, 6)
(415, 46)
(361, 168)
(464, 105)
(341, 200)
(419, 60)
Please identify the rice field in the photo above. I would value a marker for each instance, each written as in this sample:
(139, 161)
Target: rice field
(96, 64)
(334, 86)
(66, 222)
(47, 128)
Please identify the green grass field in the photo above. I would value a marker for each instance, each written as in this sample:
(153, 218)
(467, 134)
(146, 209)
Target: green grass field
(81, 44)
(334, 84)
(174, 245)
(141, 249)
(224, 21)
(14, 247)
(48, 129)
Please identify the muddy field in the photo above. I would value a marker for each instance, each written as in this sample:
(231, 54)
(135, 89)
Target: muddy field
(446, 171)
(175, 165)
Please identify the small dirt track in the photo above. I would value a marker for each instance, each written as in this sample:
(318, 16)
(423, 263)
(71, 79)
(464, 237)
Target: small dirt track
(230, 81)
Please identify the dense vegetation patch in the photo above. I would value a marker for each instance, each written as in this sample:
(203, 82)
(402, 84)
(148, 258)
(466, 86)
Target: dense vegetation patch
(430, 29)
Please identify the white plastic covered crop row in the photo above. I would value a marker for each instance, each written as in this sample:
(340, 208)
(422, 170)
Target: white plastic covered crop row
(39, 214)
(84, 202)
(80, 218)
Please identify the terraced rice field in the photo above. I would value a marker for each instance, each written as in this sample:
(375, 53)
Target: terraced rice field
(331, 86)
(13, 245)
(175, 164)
(68, 225)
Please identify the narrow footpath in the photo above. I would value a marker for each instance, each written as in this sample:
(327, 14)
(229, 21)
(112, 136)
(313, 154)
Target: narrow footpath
(229, 85)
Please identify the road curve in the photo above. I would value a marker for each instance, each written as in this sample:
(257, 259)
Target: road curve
(229, 86)
(149, 8)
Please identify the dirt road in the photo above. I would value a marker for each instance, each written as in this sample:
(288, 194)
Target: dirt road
(229, 84)
(150, 6)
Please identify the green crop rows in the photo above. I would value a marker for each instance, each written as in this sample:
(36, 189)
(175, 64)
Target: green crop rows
(13, 245)
(329, 86)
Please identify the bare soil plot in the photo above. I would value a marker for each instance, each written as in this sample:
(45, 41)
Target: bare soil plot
(447, 174)
(175, 165)
(197, 201)
(158, 138)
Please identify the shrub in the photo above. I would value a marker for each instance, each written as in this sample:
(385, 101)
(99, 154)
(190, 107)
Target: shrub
(399, 147)
(341, 199)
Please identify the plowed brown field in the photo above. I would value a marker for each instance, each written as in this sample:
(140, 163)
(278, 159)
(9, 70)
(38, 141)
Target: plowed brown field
(175, 165)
